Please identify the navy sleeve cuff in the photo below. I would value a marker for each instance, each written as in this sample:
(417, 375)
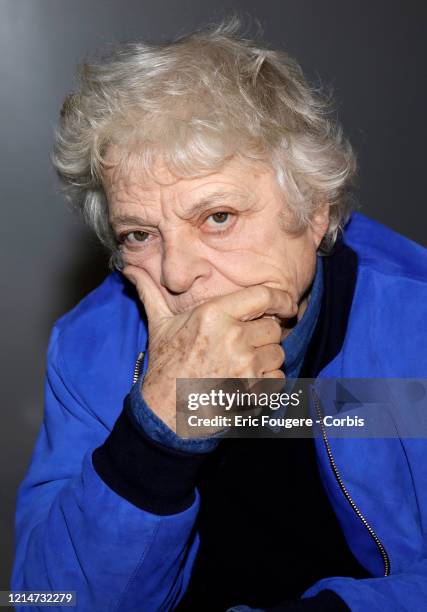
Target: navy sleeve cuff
(159, 431)
(145, 472)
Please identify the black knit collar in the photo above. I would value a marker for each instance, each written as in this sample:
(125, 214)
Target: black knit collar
(339, 282)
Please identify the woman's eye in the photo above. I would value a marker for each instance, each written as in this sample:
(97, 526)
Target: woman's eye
(137, 236)
(219, 218)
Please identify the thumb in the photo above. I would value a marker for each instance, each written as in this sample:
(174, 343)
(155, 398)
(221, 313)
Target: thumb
(148, 292)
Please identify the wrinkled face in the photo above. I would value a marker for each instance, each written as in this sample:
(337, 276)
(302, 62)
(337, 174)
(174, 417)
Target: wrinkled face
(205, 237)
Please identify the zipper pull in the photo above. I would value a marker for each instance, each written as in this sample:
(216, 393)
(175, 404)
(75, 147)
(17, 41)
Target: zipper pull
(137, 368)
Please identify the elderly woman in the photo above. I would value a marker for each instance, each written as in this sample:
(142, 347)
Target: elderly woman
(219, 182)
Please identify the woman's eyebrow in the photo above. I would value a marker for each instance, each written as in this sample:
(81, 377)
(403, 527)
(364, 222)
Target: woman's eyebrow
(127, 220)
(213, 199)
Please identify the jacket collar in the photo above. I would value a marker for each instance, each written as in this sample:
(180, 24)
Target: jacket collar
(339, 282)
(296, 343)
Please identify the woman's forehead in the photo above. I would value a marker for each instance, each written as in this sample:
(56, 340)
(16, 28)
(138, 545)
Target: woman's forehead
(128, 173)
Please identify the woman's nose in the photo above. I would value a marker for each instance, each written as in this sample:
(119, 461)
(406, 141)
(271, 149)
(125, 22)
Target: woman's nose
(181, 266)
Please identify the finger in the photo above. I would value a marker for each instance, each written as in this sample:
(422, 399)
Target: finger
(276, 374)
(257, 300)
(149, 294)
(262, 331)
(269, 358)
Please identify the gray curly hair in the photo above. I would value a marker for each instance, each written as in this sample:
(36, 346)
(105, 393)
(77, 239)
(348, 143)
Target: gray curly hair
(197, 101)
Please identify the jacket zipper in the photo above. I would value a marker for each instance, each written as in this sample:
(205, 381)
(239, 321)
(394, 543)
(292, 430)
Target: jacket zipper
(137, 367)
(380, 546)
(343, 488)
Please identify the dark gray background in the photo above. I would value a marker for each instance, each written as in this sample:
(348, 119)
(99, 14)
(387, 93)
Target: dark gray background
(372, 52)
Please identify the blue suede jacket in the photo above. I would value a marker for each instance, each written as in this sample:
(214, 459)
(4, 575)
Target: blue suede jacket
(121, 550)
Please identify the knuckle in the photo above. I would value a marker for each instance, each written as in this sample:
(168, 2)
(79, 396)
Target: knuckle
(274, 328)
(280, 351)
(235, 334)
(260, 293)
(244, 365)
(207, 312)
(276, 374)
(264, 293)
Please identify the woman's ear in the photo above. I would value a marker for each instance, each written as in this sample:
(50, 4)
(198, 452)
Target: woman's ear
(320, 223)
